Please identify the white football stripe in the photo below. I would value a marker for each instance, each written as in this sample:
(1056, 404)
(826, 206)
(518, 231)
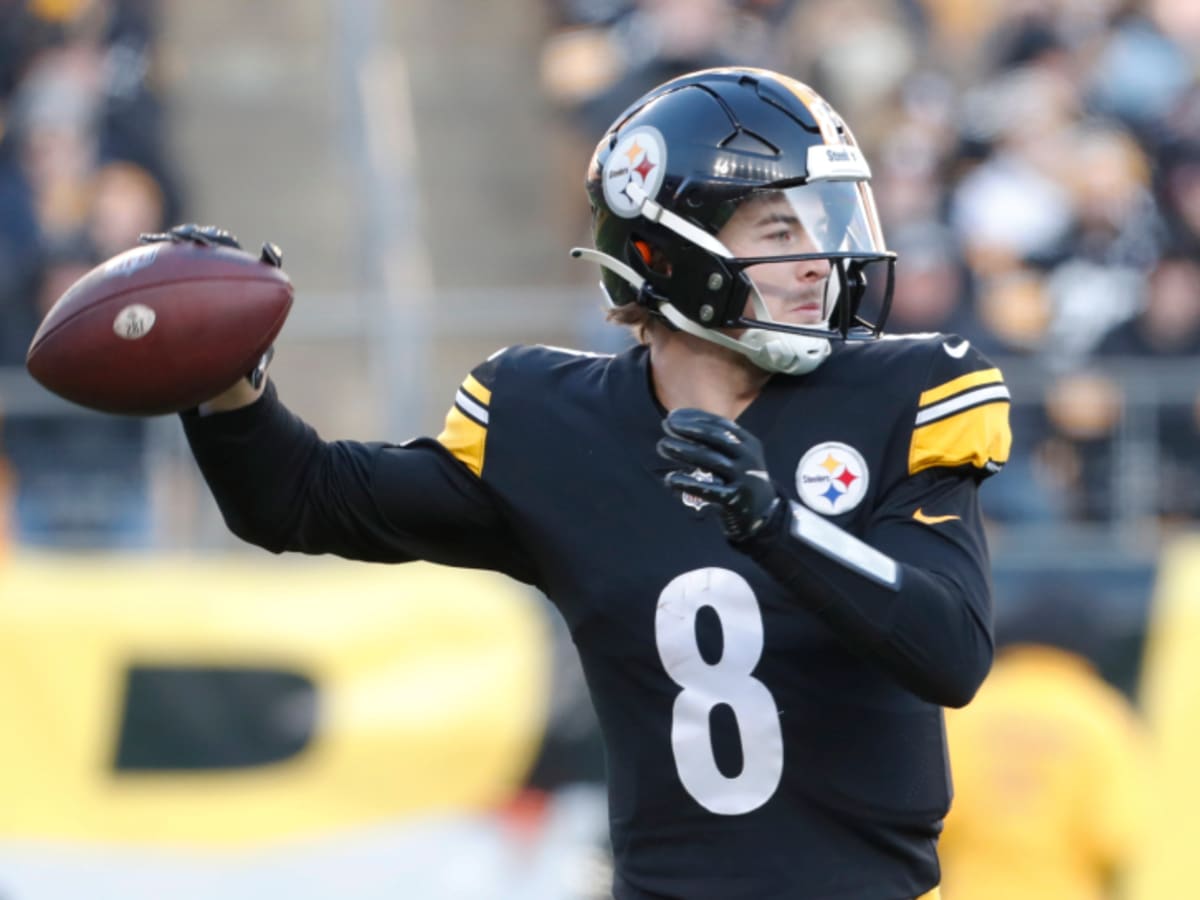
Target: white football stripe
(843, 547)
(471, 405)
(962, 401)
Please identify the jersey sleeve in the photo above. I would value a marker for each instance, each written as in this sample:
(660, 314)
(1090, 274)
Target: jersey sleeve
(280, 486)
(961, 418)
(466, 430)
(914, 592)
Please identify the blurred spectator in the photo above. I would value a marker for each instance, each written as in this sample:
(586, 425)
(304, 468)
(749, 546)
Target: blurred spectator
(859, 64)
(1168, 324)
(1177, 186)
(1049, 765)
(81, 478)
(932, 292)
(19, 260)
(663, 38)
(1014, 207)
(54, 129)
(1167, 328)
(1076, 454)
(1016, 310)
(82, 172)
(1140, 72)
(126, 201)
(63, 262)
(1114, 239)
(23, 33)
(917, 151)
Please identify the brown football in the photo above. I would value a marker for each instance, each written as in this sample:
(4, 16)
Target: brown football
(160, 328)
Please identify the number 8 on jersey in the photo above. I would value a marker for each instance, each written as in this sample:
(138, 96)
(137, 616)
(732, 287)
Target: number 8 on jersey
(727, 681)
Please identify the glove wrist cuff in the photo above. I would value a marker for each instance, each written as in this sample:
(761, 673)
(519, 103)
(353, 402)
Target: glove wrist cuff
(768, 524)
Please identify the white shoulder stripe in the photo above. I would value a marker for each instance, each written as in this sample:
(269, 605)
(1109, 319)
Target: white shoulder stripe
(471, 406)
(911, 336)
(572, 352)
(985, 394)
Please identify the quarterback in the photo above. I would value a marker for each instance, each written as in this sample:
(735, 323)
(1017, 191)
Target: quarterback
(761, 524)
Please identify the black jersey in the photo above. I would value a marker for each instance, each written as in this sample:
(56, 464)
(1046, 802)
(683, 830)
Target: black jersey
(771, 714)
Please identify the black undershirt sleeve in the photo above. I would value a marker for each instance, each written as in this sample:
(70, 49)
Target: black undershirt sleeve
(280, 486)
(913, 596)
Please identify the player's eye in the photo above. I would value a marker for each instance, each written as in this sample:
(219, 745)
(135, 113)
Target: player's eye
(780, 236)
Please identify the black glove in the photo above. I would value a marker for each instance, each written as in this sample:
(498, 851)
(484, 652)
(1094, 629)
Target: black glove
(212, 236)
(739, 485)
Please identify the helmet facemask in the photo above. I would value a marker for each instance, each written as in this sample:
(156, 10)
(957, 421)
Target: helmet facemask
(734, 204)
(803, 249)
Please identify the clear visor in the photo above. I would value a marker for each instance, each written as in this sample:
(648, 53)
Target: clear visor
(797, 237)
(833, 217)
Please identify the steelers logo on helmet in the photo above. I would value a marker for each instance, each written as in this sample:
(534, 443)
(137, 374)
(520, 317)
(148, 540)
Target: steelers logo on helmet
(832, 478)
(640, 158)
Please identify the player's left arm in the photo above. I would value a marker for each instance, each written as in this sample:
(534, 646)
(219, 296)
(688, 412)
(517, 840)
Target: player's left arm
(915, 593)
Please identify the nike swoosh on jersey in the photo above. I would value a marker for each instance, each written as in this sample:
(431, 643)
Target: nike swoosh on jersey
(920, 516)
(958, 351)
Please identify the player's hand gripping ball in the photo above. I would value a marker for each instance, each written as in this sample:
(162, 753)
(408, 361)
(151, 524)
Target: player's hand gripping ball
(164, 326)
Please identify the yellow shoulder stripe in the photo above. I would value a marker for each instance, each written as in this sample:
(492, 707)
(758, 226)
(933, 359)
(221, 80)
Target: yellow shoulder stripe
(477, 390)
(976, 436)
(465, 438)
(962, 383)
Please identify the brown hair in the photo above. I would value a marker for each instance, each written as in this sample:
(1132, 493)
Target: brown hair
(634, 317)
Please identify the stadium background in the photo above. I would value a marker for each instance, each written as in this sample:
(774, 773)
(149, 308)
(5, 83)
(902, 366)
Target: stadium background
(185, 714)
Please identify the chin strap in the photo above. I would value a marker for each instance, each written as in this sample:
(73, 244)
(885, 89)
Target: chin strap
(791, 354)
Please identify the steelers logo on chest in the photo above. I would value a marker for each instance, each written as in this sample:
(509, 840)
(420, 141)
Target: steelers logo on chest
(832, 478)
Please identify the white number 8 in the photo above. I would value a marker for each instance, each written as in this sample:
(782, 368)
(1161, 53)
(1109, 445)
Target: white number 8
(727, 681)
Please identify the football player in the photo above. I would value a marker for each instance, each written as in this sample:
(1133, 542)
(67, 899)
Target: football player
(761, 524)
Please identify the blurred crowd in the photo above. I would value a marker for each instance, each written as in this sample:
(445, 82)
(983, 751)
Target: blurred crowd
(83, 170)
(1037, 167)
(1036, 162)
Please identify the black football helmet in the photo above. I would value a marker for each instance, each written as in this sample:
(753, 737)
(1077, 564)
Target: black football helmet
(674, 169)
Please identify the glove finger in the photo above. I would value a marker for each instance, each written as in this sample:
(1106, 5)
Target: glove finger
(204, 235)
(710, 491)
(697, 456)
(686, 419)
(215, 235)
(707, 428)
(189, 231)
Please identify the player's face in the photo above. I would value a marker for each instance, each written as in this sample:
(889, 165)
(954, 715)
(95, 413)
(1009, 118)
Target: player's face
(794, 291)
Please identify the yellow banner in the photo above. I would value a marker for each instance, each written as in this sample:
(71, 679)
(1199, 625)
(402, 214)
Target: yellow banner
(1171, 699)
(426, 691)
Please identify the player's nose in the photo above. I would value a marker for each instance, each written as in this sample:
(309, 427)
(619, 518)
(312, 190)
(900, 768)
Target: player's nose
(810, 270)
